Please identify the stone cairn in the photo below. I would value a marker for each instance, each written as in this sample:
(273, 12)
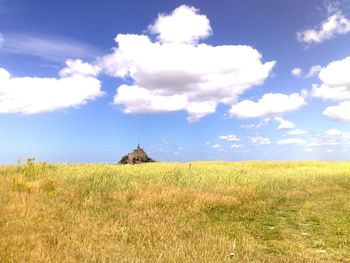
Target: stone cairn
(137, 156)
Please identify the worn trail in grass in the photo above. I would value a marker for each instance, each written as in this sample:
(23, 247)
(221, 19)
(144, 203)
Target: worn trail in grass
(171, 212)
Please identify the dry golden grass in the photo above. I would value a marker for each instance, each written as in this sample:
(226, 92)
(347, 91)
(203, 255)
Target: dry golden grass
(171, 212)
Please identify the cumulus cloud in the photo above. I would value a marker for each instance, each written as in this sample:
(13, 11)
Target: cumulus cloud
(297, 72)
(30, 95)
(229, 138)
(326, 92)
(284, 124)
(335, 74)
(259, 140)
(270, 104)
(291, 141)
(192, 76)
(339, 112)
(141, 100)
(183, 25)
(78, 67)
(335, 24)
(335, 85)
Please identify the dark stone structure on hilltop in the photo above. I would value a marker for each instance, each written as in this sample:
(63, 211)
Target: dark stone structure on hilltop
(137, 156)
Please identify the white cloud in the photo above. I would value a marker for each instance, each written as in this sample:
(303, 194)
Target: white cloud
(318, 143)
(194, 77)
(336, 81)
(334, 132)
(236, 146)
(229, 138)
(291, 141)
(339, 112)
(257, 125)
(332, 137)
(314, 70)
(335, 85)
(297, 132)
(308, 150)
(78, 67)
(30, 95)
(337, 133)
(48, 47)
(183, 25)
(259, 140)
(141, 100)
(331, 93)
(284, 124)
(217, 146)
(335, 25)
(270, 104)
(336, 73)
(296, 72)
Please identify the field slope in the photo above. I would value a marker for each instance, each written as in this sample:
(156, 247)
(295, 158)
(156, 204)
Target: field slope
(171, 212)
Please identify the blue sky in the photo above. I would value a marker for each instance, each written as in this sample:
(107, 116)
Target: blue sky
(85, 81)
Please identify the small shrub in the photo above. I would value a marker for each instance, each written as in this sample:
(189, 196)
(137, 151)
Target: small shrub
(30, 170)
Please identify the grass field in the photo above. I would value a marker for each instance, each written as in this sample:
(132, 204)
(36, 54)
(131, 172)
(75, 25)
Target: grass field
(172, 212)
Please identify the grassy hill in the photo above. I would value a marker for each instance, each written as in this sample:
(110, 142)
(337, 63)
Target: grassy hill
(172, 212)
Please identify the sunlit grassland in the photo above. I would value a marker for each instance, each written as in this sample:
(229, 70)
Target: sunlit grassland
(172, 212)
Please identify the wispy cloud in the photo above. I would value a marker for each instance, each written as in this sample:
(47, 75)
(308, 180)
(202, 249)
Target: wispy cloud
(53, 48)
(259, 140)
(291, 141)
(229, 138)
(332, 137)
(297, 132)
(313, 71)
(258, 125)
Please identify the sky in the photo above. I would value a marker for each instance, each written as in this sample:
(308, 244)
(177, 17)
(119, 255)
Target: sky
(86, 81)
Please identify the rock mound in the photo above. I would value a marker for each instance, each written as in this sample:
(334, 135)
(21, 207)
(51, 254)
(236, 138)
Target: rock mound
(137, 156)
